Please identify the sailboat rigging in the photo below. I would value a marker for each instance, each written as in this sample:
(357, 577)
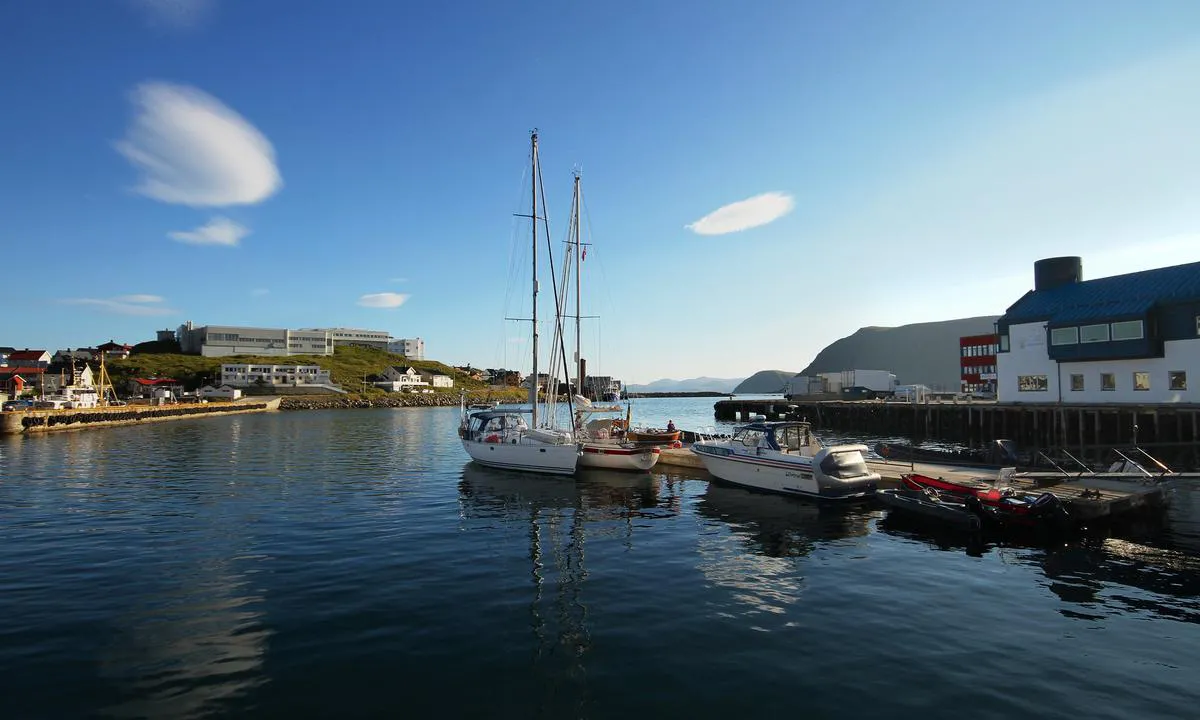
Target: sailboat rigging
(501, 438)
(602, 440)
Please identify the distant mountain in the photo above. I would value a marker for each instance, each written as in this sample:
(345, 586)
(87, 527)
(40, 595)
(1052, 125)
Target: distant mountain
(700, 384)
(921, 353)
(764, 382)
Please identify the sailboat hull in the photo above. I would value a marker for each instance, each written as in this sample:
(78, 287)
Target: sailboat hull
(615, 456)
(528, 457)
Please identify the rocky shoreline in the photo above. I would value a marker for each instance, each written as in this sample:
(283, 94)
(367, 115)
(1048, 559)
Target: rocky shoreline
(332, 402)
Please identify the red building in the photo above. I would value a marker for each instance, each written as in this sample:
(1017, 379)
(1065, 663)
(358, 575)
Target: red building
(977, 357)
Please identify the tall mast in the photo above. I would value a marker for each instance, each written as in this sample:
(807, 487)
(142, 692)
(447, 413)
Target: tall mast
(533, 214)
(578, 282)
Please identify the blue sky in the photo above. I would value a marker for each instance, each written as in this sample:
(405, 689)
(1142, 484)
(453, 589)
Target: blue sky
(307, 164)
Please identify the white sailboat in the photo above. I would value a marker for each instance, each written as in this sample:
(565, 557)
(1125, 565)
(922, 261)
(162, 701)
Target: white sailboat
(600, 438)
(502, 438)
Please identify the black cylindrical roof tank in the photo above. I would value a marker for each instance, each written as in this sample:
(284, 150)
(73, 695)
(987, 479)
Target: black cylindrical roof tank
(1054, 272)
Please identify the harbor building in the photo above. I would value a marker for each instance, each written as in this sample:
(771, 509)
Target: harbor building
(1132, 338)
(377, 339)
(977, 357)
(223, 340)
(411, 348)
(248, 374)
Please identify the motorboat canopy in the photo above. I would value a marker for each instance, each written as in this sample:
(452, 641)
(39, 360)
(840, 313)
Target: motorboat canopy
(784, 436)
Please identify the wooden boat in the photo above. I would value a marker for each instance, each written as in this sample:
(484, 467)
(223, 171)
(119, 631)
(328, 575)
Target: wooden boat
(652, 436)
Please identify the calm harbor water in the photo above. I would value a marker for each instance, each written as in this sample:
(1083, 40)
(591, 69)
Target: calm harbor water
(354, 563)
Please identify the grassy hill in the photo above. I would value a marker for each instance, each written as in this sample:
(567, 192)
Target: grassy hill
(347, 367)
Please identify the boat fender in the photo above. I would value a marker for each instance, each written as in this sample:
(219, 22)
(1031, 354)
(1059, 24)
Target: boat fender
(493, 438)
(676, 444)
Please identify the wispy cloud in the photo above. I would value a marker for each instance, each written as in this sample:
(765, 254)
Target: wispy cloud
(193, 150)
(175, 13)
(144, 305)
(744, 214)
(382, 300)
(259, 292)
(217, 231)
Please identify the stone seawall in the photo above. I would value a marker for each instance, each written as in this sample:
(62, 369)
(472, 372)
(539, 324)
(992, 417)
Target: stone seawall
(330, 402)
(35, 421)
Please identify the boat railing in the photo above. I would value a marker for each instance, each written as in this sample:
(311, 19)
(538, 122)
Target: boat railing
(1138, 464)
(1084, 469)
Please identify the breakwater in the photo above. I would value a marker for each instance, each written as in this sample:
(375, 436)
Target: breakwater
(31, 421)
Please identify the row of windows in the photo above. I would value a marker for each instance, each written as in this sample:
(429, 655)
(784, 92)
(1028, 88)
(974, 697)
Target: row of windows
(978, 350)
(1176, 380)
(977, 369)
(978, 387)
(1103, 332)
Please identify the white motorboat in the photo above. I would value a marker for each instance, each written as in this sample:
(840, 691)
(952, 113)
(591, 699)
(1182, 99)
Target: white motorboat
(502, 438)
(787, 458)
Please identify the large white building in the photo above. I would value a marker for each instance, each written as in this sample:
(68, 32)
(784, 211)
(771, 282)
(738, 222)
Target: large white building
(223, 340)
(411, 348)
(377, 339)
(1131, 338)
(248, 374)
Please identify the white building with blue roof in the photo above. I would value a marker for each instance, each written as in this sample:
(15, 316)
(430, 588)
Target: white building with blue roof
(1131, 338)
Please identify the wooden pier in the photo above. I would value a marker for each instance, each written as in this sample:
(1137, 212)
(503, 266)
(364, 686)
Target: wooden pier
(1086, 497)
(1170, 432)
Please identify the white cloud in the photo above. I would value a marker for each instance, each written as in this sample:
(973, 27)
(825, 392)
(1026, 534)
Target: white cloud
(176, 13)
(382, 300)
(139, 298)
(192, 150)
(145, 305)
(217, 231)
(259, 292)
(744, 214)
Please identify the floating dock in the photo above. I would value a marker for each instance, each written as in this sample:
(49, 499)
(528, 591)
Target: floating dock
(1086, 497)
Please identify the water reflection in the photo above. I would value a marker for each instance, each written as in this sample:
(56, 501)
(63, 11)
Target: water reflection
(562, 515)
(779, 526)
(1108, 571)
(758, 560)
(185, 651)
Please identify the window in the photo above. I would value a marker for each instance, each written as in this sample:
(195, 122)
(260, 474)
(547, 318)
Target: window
(1031, 383)
(1141, 381)
(1076, 382)
(1198, 324)
(1064, 336)
(1093, 333)
(1003, 343)
(1108, 381)
(1130, 330)
(1177, 380)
